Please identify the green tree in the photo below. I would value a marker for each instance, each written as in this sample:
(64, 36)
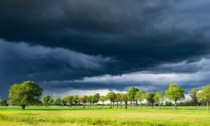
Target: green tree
(76, 99)
(159, 97)
(95, 98)
(150, 98)
(112, 97)
(57, 101)
(102, 99)
(168, 103)
(131, 94)
(119, 98)
(69, 100)
(175, 93)
(3, 102)
(194, 96)
(38, 103)
(50, 101)
(10, 102)
(46, 100)
(84, 100)
(25, 93)
(139, 96)
(63, 101)
(205, 95)
(125, 99)
(89, 100)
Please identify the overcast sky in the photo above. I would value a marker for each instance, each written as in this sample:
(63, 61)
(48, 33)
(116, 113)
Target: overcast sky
(89, 46)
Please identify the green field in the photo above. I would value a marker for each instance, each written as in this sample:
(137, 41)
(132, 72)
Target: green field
(48, 116)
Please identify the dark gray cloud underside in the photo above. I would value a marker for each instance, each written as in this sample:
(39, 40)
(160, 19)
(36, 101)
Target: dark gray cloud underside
(110, 28)
(85, 38)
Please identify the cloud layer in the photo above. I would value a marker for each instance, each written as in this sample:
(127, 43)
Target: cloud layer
(20, 61)
(71, 40)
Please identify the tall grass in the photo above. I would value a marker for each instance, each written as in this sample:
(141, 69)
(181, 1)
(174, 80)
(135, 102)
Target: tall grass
(98, 116)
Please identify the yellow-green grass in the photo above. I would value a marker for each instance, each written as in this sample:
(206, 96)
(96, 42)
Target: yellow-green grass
(48, 116)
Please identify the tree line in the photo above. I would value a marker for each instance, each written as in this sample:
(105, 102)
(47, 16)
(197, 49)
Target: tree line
(29, 92)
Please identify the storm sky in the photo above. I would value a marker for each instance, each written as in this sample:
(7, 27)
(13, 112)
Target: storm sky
(89, 46)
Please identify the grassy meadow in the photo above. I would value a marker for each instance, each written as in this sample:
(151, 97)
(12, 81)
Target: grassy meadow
(79, 116)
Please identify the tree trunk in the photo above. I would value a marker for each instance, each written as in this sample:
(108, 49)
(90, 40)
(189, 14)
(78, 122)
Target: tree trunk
(208, 105)
(23, 107)
(126, 105)
(195, 105)
(175, 104)
(117, 104)
(131, 104)
(136, 103)
(110, 105)
(140, 105)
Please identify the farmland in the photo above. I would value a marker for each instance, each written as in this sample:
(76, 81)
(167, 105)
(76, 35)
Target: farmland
(77, 116)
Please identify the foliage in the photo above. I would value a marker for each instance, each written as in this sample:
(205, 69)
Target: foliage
(50, 101)
(84, 99)
(76, 99)
(159, 97)
(47, 100)
(95, 98)
(57, 101)
(3, 102)
(168, 103)
(205, 95)
(125, 99)
(63, 102)
(119, 99)
(150, 98)
(89, 99)
(186, 103)
(68, 99)
(28, 93)
(103, 99)
(111, 96)
(132, 93)
(139, 95)
(194, 96)
(25, 93)
(175, 93)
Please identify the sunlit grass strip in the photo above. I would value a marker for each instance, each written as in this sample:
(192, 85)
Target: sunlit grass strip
(80, 116)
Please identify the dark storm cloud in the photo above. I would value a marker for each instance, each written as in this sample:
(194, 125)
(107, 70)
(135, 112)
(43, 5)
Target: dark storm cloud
(132, 35)
(20, 62)
(30, 58)
(139, 33)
